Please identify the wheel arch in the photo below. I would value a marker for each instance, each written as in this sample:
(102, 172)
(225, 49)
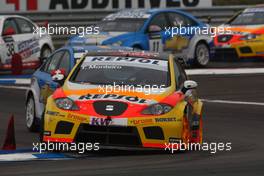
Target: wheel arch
(28, 94)
(46, 45)
(137, 45)
(202, 41)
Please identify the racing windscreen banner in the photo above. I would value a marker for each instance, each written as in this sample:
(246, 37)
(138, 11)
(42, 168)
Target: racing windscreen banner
(95, 5)
(92, 62)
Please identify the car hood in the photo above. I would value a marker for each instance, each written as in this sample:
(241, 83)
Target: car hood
(95, 39)
(91, 93)
(245, 29)
(93, 101)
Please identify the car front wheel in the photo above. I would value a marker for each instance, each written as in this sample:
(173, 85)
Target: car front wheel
(202, 55)
(30, 115)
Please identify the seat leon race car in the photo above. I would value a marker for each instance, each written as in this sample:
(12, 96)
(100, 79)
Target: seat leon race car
(151, 30)
(245, 38)
(124, 99)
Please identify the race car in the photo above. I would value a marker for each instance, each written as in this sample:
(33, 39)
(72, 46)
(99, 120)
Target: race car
(18, 37)
(246, 36)
(153, 30)
(124, 99)
(42, 85)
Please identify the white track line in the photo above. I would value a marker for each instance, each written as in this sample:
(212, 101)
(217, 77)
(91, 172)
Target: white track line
(17, 157)
(15, 87)
(221, 71)
(23, 81)
(18, 80)
(233, 102)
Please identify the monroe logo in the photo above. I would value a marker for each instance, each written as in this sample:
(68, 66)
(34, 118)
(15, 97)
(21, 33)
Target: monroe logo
(113, 97)
(100, 121)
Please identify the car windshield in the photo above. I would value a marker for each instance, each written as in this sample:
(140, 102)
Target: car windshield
(109, 70)
(249, 18)
(122, 25)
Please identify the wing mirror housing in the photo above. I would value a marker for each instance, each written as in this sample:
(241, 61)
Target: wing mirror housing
(189, 85)
(58, 76)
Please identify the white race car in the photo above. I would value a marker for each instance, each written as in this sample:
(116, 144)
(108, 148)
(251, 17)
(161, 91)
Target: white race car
(18, 37)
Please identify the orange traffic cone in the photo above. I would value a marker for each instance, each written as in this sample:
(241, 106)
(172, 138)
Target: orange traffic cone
(10, 140)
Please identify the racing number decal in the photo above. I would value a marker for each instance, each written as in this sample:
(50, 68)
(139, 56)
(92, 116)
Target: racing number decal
(10, 49)
(155, 43)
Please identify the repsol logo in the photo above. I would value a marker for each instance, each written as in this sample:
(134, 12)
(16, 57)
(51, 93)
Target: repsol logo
(126, 59)
(118, 4)
(113, 97)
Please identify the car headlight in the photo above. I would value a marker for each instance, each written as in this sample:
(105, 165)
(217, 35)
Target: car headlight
(66, 104)
(249, 37)
(157, 109)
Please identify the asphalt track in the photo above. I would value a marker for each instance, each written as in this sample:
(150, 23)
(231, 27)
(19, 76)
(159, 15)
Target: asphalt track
(223, 122)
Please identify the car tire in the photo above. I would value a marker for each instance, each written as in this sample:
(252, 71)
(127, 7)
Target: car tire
(41, 127)
(31, 121)
(200, 139)
(202, 54)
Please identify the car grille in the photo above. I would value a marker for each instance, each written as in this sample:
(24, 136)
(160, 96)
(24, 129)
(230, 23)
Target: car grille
(109, 135)
(116, 108)
(226, 54)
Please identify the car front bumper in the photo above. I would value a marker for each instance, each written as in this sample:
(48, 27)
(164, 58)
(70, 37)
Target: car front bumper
(136, 132)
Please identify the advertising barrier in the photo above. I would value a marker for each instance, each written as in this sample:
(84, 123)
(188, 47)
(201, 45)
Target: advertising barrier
(95, 5)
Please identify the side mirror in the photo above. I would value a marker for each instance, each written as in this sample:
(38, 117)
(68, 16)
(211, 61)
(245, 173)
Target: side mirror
(58, 76)
(190, 92)
(154, 28)
(190, 84)
(9, 31)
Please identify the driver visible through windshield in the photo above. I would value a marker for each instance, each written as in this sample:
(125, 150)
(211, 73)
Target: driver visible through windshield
(122, 25)
(249, 18)
(109, 70)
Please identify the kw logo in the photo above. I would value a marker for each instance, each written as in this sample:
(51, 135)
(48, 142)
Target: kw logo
(101, 121)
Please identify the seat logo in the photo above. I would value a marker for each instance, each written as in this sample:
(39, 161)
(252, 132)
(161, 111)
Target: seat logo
(109, 108)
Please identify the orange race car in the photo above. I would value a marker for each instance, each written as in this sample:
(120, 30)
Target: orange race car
(245, 36)
(124, 99)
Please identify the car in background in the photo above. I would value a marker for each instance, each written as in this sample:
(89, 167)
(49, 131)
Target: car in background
(42, 84)
(18, 37)
(146, 30)
(246, 39)
(160, 106)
